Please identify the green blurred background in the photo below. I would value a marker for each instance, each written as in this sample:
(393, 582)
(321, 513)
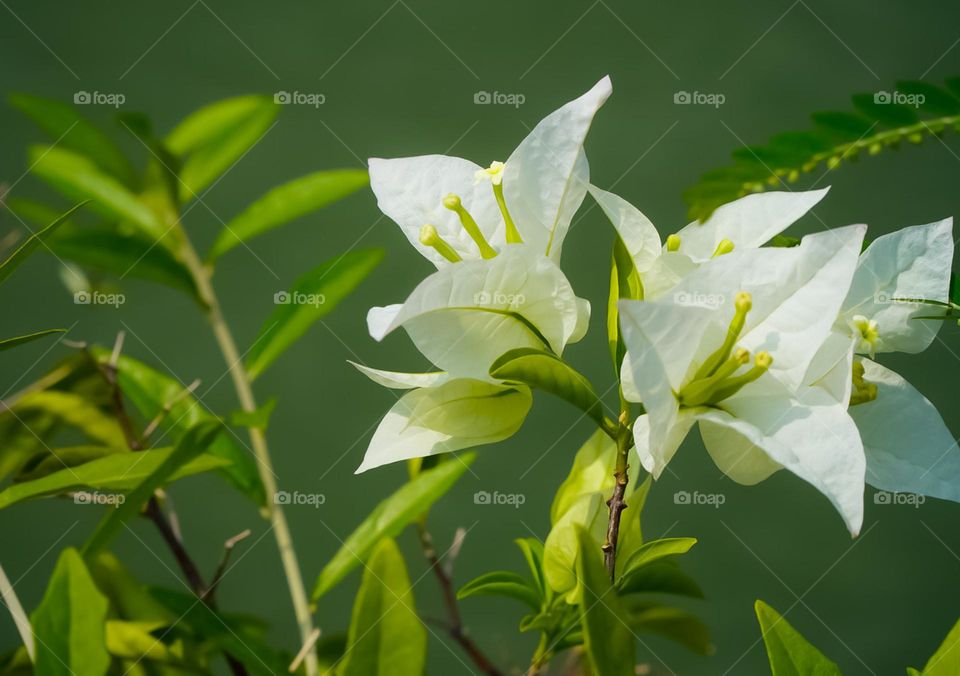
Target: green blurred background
(400, 79)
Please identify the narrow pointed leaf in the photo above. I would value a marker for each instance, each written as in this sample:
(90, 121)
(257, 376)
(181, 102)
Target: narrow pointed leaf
(65, 126)
(390, 517)
(213, 138)
(286, 203)
(69, 622)
(15, 259)
(790, 654)
(9, 343)
(544, 371)
(313, 297)
(386, 636)
(79, 178)
(657, 550)
(190, 446)
(678, 625)
(946, 661)
(118, 472)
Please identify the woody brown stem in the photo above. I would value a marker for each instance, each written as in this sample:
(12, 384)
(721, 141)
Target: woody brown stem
(617, 502)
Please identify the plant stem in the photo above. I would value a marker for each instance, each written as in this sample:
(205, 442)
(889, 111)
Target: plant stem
(258, 441)
(455, 626)
(616, 503)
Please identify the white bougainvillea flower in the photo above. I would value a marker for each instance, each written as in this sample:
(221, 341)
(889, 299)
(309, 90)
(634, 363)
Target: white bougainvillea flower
(746, 223)
(912, 264)
(907, 445)
(452, 209)
(731, 348)
(464, 316)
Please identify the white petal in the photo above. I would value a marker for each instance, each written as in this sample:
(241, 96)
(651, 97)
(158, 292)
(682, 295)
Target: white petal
(583, 321)
(545, 179)
(410, 190)
(666, 272)
(636, 230)
(456, 415)
(656, 454)
(832, 366)
(914, 262)
(463, 317)
(735, 454)
(748, 222)
(908, 446)
(380, 320)
(400, 381)
(796, 294)
(812, 436)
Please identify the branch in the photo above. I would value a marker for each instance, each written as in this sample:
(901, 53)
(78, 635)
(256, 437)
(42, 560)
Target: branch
(454, 625)
(617, 503)
(222, 568)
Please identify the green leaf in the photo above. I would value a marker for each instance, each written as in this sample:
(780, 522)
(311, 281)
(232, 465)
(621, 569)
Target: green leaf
(29, 246)
(542, 370)
(562, 545)
(10, 343)
(64, 125)
(190, 446)
(790, 654)
(653, 551)
(390, 517)
(77, 411)
(624, 284)
(69, 622)
(503, 583)
(608, 642)
(532, 550)
(935, 100)
(153, 392)
(133, 641)
(213, 138)
(128, 597)
(661, 577)
(386, 637)
(678, 625)
(119, 472)
(631, 531)
(888, 114)
(313, 297)
(257, 419)
(946, 661)
(286, 203)
(78, 178)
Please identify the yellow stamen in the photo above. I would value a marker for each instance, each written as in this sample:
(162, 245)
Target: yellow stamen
(430, 237)
(862, 391)
(868, 331)
(700, 392)
(673, 242)
(452, 202)
(742, 304)
(724, 247)
(761, 364)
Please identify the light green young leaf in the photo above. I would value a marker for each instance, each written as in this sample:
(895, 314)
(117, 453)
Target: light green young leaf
(286, 203)
(15, 259)
(654, 551)
(631, 531)
(10, 343)
(562, 544)
(79, 178)
(946, 661)
(532, 550)
(624, 284)
(678, 625)
(153, 392)
(63, 124)
(660, 577)
(119, 472)
(258, 419)
(592, 472)
(313, 297)
(128, 597)
(503, 583)
(390, 517)
(544, 371)
(213, 138)
(69, 622)
(133, 641)
(386, 636)
(608, 642)
(790, 654)
(191, 445)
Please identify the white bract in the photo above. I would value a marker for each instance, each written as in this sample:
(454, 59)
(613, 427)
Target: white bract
(690, 354)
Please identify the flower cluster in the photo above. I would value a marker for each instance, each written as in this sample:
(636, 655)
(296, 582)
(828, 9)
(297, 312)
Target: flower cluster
(769, 350)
